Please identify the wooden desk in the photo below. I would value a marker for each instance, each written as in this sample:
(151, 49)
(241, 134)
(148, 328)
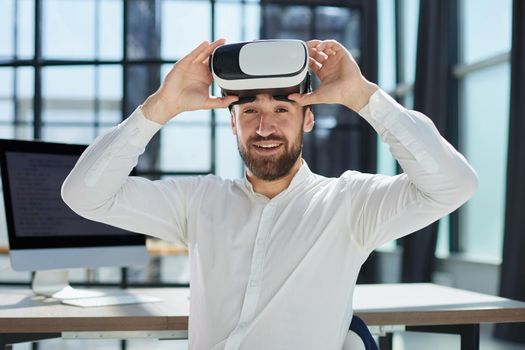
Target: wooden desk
(155, 247)
(419, 307)
(427, 307)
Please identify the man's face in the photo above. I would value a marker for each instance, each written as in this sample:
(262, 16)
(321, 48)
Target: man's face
(270, 134)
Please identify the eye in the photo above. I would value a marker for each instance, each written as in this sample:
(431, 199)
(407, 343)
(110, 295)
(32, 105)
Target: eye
(249, 111)
(281, 110)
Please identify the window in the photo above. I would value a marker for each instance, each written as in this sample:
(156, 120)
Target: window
(93, 61)
(96, 60)
(485, 80)
(397, 37)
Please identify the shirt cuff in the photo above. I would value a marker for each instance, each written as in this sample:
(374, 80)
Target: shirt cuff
(380, 106)
(138, 129)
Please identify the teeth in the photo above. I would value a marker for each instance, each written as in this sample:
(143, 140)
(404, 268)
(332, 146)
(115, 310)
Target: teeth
(268, 146)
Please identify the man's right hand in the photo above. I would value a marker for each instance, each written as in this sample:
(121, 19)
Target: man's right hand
(186, 87)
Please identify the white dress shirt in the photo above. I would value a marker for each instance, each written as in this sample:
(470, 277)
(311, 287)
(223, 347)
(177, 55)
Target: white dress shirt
(275, 273)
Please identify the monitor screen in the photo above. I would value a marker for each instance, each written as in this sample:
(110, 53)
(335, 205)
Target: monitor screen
(36, 216)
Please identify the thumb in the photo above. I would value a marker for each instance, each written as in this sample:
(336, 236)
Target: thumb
(220, 102)
(304, 99)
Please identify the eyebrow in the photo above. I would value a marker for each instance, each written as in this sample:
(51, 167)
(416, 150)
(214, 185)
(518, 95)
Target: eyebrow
(283, 98)
(244, 100)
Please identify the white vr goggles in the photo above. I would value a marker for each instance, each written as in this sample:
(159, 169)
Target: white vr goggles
(275, 67)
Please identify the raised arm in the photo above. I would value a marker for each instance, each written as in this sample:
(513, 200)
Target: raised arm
(100, 188)
(437, 179)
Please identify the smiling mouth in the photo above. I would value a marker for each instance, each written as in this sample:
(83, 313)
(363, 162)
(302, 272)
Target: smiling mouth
(268, 146)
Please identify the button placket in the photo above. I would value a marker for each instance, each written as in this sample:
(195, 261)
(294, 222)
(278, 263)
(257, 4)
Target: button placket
(251, 296)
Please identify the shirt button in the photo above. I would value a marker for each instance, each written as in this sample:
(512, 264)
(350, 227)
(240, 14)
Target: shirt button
(260, 241)
(253, 283)
(242, 325)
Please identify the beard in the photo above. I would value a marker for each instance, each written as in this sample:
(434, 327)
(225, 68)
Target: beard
(275, 166)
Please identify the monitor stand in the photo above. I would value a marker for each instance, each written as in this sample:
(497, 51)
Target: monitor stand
(55, 284)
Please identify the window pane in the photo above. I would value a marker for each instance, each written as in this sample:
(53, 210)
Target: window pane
(110, 34)
(387, 40)
(252, 21)
(103, 128)
(21, 109)
(6, 94)
(142, 37)
(6, 28)
(410, 29)
(442, 247)
(186, 142)
(6, 132)
(485, 117)
(26, 28)
(23, 131)
(68, 29)
(177, 17)
(288, 22)
(25, 79)
(487, 28)
(237, 22)
(341, 24)
(408, 100)
(229, 163)
(110, 94)
(21, 14)
(386, 163)
(68, 94)
(68, 134)
(228, 22)
(199, 117)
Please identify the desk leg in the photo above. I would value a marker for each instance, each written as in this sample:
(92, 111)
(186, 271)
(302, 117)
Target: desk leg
(386, 341)
(470, 337)
(469, 333)
(7, 339)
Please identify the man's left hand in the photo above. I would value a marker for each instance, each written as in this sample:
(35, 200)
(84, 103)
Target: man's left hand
(340, 76)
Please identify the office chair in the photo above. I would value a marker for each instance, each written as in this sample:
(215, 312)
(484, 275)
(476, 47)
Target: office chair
(359, 337)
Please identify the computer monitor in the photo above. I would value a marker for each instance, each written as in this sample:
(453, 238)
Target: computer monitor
(45, 235)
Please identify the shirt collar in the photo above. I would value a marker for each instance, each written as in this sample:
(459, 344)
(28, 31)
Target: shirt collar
(302, 174)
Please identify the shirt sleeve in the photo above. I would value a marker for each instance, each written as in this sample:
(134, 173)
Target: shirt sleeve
(436, 180)
(99, 186)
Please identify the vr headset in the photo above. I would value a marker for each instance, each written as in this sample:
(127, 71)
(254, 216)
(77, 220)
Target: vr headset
(275, 67)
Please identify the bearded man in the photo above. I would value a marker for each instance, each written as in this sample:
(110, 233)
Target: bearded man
(274, 256)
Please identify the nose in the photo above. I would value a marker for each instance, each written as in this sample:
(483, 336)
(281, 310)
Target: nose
(266, 126)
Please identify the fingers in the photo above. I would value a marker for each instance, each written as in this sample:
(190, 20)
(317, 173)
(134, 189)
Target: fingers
(314, 65)
(330, 44)
(195, 52)
(220, 102)
(206, 51)
(328, 47)
(304, 99)
(319, 56)
(319, 53)
(313, 43)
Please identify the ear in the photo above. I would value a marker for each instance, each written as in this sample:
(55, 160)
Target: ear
(232, 122)
(309, 120)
